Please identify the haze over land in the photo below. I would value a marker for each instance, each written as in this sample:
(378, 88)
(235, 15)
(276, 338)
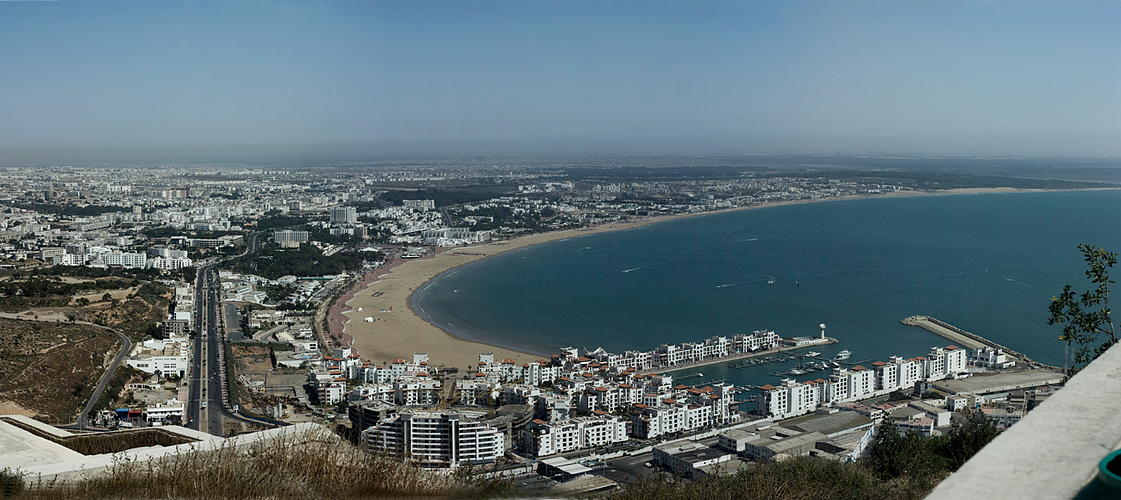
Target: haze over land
(175, 81)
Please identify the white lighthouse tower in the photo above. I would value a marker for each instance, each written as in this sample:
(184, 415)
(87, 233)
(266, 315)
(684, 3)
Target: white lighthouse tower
(822, 326)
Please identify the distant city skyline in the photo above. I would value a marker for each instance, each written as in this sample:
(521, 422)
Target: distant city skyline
(105, 81)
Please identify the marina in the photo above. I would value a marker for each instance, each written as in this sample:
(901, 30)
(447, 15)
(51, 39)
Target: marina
(776, 359)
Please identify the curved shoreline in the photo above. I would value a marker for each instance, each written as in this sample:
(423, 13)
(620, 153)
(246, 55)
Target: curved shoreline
(410, 331)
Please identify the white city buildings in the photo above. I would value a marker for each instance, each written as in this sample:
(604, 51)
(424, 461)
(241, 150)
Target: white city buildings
(792, 398)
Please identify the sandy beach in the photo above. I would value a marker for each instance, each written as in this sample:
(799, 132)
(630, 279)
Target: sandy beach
(398, 332)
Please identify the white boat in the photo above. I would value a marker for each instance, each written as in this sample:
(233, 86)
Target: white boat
(813, 354)
(843, 355)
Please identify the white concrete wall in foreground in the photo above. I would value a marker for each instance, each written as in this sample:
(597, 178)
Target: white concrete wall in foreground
(1054, 451)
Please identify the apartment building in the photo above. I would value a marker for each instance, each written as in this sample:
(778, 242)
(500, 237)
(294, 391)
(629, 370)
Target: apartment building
(436, 439)
(543, 438)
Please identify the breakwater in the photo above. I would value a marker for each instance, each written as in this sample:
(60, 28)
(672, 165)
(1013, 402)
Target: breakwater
(970, 340)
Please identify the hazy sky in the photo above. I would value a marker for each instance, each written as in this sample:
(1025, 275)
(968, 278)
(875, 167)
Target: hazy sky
(1000, 77)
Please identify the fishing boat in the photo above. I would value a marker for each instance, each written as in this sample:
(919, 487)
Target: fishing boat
(843, 355)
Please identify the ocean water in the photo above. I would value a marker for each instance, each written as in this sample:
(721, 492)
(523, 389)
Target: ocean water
(988, 263)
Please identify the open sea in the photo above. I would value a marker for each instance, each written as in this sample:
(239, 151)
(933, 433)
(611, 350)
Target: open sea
(987, 263)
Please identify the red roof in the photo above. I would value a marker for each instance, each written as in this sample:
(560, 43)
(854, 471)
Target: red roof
(538, 421)
(480, 374)
(399, 360)
(508, 361)
(879, 363)
(767, 387)
(582, 359)
(669, 401)
(481, 363)
(952, 347)
(601, 389)
(625, 386)
(681, 386)
(858, 368)
(599, 412)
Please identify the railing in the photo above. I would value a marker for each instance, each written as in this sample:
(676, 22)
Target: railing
(1054, 451)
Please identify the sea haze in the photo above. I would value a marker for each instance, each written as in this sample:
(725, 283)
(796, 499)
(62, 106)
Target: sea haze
(988, 263)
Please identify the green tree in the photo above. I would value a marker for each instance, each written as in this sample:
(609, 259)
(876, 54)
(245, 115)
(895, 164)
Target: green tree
(1085, 317)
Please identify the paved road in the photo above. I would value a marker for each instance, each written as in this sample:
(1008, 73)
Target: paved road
(125, 349)
(208, 358)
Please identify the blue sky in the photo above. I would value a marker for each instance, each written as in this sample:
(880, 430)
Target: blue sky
(947, 77)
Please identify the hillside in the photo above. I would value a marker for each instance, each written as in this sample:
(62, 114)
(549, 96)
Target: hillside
(49, 369)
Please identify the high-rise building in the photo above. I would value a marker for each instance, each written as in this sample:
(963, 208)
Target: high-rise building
(289, 239)
(436, 439)
(346, 215)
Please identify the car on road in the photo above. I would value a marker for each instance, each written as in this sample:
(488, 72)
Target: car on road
(648, 465)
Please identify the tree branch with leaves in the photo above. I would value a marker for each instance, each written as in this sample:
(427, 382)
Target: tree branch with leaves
(1085, 317)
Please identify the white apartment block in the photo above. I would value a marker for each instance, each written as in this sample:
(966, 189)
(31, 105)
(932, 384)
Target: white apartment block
(794, 398)
(436, 439)
(289, 239)
(543, 438)
(167, 357)
(329, 387)
(991, 358)
(170, 263)
(344, 215)
(668, 417)
(421, 204)
(411, 391)
(137, 260)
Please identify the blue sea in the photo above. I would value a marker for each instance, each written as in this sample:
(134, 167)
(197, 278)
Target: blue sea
(987, 263)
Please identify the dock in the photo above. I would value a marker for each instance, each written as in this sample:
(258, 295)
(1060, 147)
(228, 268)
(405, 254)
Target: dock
(970, 340)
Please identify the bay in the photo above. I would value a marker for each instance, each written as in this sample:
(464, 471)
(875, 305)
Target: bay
(987, 263)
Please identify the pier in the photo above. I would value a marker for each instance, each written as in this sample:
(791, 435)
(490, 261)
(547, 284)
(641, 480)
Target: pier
(970, 340)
